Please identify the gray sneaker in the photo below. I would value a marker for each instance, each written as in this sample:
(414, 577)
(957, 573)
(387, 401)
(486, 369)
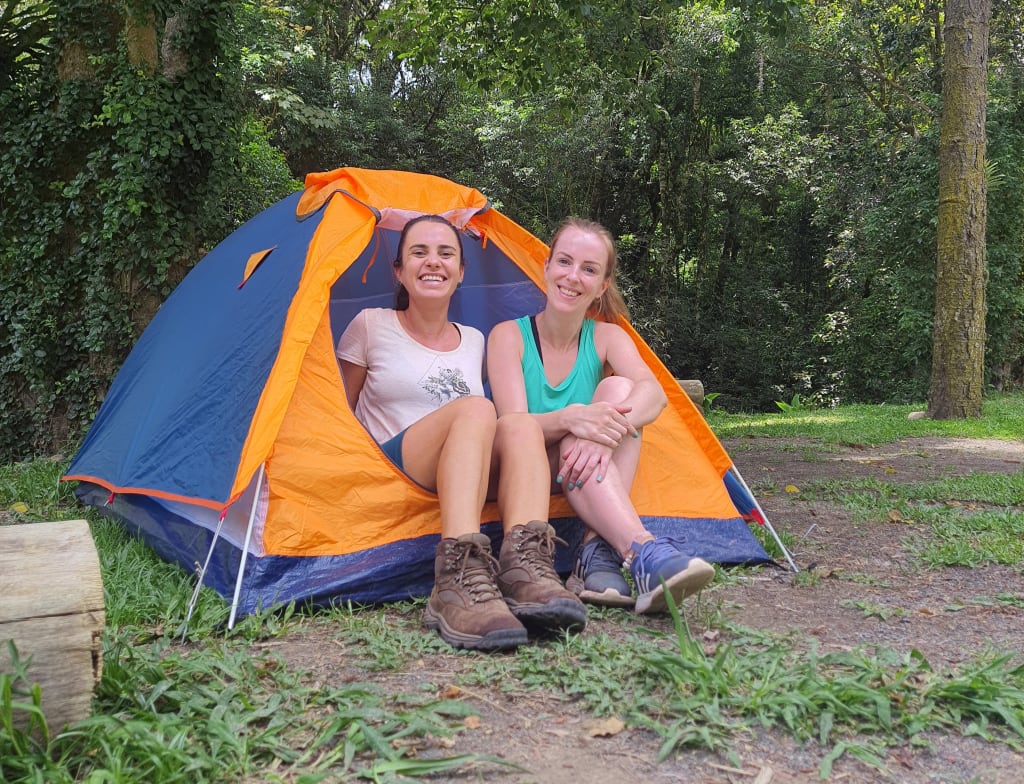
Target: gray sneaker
(597, 576)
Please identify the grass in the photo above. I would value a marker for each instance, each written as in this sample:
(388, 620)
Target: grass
(871, 425)
(969, 521)
(223, 706)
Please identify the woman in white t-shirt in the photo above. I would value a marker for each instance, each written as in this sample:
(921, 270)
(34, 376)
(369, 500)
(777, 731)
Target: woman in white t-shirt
(415, 381)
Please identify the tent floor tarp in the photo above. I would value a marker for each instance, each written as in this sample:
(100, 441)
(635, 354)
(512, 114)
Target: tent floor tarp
(393, 572)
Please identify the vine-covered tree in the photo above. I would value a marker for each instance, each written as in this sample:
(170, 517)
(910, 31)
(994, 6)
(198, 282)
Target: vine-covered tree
(123, 157)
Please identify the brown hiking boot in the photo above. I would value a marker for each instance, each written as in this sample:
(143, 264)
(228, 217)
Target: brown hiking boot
(466, 607)
(527, 578)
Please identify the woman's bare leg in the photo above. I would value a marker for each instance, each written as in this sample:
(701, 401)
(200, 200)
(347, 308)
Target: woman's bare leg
(519, 471)
(605, 505)
(449, 451)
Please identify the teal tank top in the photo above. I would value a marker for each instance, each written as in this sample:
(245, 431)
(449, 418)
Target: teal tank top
(578, 386)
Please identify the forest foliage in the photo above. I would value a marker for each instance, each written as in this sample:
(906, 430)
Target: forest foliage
(769, 169)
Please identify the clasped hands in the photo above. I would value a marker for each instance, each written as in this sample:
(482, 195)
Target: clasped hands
(599, 428)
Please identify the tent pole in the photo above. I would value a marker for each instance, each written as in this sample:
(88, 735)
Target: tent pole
(199, 580)
(764, 517)
(245, 548)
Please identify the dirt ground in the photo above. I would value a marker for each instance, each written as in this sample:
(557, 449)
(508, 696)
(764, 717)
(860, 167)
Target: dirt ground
(947, 614)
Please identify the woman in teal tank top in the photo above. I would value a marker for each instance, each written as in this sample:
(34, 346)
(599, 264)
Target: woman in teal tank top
(578, 372)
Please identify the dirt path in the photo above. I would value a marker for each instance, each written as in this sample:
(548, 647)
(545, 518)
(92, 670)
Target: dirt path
(868, 591)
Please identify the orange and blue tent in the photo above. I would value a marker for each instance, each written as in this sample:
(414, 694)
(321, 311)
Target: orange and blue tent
(225, 439)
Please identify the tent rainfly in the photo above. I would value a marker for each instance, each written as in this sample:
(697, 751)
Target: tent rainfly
(226, 441)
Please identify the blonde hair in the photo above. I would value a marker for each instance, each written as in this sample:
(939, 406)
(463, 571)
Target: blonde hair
(610, 306)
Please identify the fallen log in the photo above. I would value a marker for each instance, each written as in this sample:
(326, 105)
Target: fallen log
(51, 607)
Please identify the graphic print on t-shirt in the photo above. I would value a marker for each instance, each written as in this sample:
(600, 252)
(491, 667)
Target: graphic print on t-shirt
(448, 384)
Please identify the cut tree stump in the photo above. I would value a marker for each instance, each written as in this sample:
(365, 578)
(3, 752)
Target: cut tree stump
(51, 606)
(694, 388)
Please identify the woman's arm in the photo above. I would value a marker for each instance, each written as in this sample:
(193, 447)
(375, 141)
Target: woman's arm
(354, 377)
(504, 368)
(602, 423)
(647, 399)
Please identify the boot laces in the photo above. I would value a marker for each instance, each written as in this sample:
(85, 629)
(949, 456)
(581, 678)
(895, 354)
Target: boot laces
(476, 571)
(537, 550)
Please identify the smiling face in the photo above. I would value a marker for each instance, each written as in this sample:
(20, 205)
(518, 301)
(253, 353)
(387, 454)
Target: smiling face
(431, 260)
(577, 270)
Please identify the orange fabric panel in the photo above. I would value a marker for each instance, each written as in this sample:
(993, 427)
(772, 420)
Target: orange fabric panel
(253, 262)
(343, 233)
(332, 491)
(395, 189)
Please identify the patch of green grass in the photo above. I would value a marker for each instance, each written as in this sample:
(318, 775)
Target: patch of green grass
(874, 424)
(856, 703)
(807, 578)
(771, 547)
(32, 491)
(874, 610)
(991, 489)
(377, 639)
(971, 520)
(225, 712)
(999, 600)
(975, 539)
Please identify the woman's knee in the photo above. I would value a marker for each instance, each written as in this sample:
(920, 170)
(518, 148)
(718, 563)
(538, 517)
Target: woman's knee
(613, 389)
(519, 427)
(474, 409)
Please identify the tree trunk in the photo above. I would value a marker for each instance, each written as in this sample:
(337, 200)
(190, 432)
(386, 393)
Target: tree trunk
(958, 339)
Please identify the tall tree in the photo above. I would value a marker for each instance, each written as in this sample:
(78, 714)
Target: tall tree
(958, 342)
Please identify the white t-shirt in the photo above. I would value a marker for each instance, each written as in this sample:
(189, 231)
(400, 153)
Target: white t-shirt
(405, 380)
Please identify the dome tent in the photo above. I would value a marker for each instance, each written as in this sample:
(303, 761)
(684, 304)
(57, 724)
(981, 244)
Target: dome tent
(226, 439)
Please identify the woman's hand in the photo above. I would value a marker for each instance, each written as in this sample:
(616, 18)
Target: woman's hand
(582, 461)
(601, 422)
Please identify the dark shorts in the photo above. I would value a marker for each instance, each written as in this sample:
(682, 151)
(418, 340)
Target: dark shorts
(393, 449)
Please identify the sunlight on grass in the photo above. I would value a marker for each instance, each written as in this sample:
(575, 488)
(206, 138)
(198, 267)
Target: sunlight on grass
(874, 424)
(971, 520)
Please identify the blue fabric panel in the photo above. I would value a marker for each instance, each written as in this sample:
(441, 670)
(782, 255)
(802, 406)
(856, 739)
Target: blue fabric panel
(726, 542)
(178, 411)
(390, 573)
(741, 499)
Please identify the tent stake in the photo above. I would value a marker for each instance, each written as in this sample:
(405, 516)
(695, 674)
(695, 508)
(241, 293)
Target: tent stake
(764, 517)
(245, 548)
